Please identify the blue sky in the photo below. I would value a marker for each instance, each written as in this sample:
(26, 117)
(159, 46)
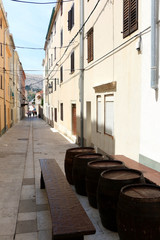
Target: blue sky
(29, 23)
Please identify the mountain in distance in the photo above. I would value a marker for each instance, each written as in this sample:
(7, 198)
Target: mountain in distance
(34, 82)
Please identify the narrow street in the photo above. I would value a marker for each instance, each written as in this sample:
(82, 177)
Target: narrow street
(24, 210)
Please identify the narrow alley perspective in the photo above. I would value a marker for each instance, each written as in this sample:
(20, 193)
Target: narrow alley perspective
(24, 210)
(79, 120)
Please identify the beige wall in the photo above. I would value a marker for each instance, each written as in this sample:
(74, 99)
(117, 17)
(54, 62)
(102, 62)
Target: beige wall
(68, 91)
(122, 66)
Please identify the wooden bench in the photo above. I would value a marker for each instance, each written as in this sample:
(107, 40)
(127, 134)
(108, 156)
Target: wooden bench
(69, 219)
(150, 174)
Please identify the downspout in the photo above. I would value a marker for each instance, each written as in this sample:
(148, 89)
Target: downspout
(154, 45)
(5, 126)
(81, 71)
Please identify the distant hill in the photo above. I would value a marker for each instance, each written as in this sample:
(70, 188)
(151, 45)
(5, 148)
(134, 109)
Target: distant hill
(34, 82)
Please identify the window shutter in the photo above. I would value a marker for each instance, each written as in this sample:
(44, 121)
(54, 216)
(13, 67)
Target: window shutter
(91, 39)
(61, 37)
(133, 15)
(72, 62)
(55, 84)
(61, 111)
(72, 15)
(125, 18)
(55, 114)
(0, 22)
(69, 20)
(90, 45)
(130, 17)
(61, 7)
(51, 87)
(61, 74)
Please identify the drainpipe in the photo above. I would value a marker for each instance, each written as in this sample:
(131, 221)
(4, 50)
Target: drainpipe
(154, 43)
(81, 70)
(5, 126)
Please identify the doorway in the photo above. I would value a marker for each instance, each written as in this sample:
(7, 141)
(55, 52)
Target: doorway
(74, 120)
(88, 123)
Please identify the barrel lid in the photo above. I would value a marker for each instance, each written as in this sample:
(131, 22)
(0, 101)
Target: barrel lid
(105, 163)
(147, 191)
(89, 155)
(80, 149)
(121, 174)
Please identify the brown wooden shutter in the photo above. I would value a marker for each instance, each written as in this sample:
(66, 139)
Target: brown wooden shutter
(61, 111)
(55, 114)
(72, 15)
(126, 18)
(130, 17)
(91, 40)
(69, 20)
(90, 44)
(61, 7)
(61, 74)
(0, 22)
(133, 15)
(72, 62)
(74, 119)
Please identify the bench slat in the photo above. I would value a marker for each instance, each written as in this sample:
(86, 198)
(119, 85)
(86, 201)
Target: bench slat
(68, 215)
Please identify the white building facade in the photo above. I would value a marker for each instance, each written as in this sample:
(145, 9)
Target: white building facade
(98, 67)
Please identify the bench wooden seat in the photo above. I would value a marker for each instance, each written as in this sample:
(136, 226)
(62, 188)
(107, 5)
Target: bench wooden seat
(69, 219)
(150, 174)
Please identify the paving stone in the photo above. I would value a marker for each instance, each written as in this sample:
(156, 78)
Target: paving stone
(42, 207)
(28, 181)
(27, 236)
(27, 216)
(44, 220)
(7, 225)
(28, 192)
(26, 226)
(45, 235)
(28, 205)
(7, 237)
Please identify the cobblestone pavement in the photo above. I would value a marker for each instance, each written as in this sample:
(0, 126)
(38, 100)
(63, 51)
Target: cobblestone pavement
(24, 210)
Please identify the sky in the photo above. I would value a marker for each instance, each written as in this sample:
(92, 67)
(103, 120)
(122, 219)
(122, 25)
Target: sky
(28, 23)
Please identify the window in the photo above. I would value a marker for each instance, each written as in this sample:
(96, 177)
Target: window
(99, 113)
(109, 115)
(72, 62)
(61, 109)
(61, 74)
(51, 87)
(61, 7)
(55, 86)
(90, 45)
(1, 87)
(1, 49)
(61, 37)
(54, 28)
(130, 17)
(55, 114)
(51, 59)
(0, 22)
(55, 53)
(71, 18)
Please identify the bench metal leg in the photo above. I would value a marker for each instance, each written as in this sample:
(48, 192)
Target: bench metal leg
(42, 183)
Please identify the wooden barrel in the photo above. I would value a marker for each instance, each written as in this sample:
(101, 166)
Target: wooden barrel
(109, 186)
(138, 214)
(94, 169)
(79, 170)
(68, 162)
